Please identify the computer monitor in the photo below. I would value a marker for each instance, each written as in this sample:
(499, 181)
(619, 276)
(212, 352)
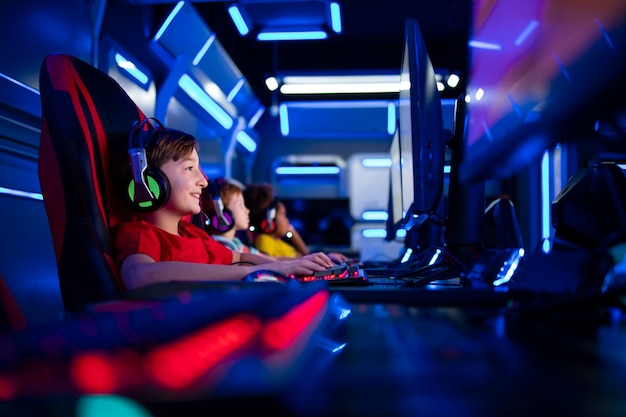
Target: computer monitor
(466, 201)
(541, 72)
(395, 214)
(421, 132)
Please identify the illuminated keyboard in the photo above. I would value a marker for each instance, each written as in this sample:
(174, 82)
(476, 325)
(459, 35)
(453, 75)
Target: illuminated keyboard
(338, 274)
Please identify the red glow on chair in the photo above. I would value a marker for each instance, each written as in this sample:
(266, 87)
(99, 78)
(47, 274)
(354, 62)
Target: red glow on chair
(8, 387)
(181, 362)
(93, 372)
(283, 332)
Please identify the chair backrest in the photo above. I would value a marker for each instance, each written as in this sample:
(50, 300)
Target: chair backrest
(12, 316)
(86, 116)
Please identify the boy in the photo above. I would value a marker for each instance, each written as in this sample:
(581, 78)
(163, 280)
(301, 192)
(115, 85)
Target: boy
(162, 246)
(236, 214)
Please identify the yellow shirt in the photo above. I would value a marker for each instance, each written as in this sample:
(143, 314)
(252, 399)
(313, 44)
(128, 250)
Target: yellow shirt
(274, 247)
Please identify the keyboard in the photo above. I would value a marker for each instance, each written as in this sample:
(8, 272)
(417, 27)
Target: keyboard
(338, 274)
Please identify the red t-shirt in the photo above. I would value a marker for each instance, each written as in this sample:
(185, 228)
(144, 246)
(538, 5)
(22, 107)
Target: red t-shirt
(192, 245)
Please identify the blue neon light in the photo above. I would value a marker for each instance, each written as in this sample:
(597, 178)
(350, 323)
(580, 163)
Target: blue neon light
(197, 94)
(238, 20)
(292, 36)
(508, 268)
(528, 30)
(435, 257)
(391, 118)
(168, 21)
(246, 141)
(374, 233)
(21, 84)
(284, 119)
(407, 255)
(236, 89)
(335, 17)
(203, 50)
(131, 69)
(308, 170)
(376, 162)
(484, 45)
(19, 193)
(253, 121)
(374, 215)
(545, 202)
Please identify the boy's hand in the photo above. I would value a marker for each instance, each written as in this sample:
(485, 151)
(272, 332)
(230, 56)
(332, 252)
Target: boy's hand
(306, 265)
(320, 258)
(338, 258)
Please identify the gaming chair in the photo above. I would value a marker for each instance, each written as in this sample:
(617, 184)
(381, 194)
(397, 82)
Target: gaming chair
(86, 116)
(11, 315)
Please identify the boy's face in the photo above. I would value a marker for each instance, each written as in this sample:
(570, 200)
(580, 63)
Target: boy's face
(241, 214)
(186, 184)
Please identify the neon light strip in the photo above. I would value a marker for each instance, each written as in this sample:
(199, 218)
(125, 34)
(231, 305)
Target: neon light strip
(284, 119)
(336, 88)
(19, 193)
(21, 84)
(291, 36)
(236, 89)
(484, 45)
(528, 30)
(238, 20)
(197, 94)
(253, 121)
(545, 202)
(203, 50)
(131, 69)
(335, 17)
(376, 162)
(246, 141)
(391, 118)
(374, 215)
(308, 170)
(168, 21)
(374, 233)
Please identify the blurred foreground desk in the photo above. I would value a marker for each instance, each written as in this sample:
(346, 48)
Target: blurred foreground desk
(448, 361)
(311, 352)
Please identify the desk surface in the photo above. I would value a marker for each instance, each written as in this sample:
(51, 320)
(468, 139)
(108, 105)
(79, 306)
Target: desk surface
(450, 361)
(452, 352)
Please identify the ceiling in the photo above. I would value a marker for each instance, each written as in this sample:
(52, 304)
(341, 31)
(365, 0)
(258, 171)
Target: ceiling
(371, 40)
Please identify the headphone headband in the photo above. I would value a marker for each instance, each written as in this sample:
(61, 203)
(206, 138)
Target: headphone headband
(149, 188)
(143, 130)
(223, 220)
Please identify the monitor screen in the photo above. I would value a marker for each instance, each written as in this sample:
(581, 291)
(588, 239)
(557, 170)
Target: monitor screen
(396, 214)
(540, 72)
(322, 222)
(420, 123)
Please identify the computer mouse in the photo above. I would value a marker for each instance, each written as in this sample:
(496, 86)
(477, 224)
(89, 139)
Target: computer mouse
(266, 276)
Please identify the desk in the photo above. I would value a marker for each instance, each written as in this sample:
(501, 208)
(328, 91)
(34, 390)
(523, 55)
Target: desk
(457, 354)
(406, 360)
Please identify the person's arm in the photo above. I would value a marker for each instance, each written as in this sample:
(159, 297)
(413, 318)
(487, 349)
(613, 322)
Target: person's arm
(297, 242)
(139, 270)
(254, 259)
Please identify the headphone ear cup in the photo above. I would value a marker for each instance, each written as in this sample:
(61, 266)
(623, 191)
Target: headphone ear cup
(268, 226)
(230, 222)
(158, 184)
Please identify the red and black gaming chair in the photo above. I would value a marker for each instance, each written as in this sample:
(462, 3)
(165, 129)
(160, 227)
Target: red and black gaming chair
(86, 115)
